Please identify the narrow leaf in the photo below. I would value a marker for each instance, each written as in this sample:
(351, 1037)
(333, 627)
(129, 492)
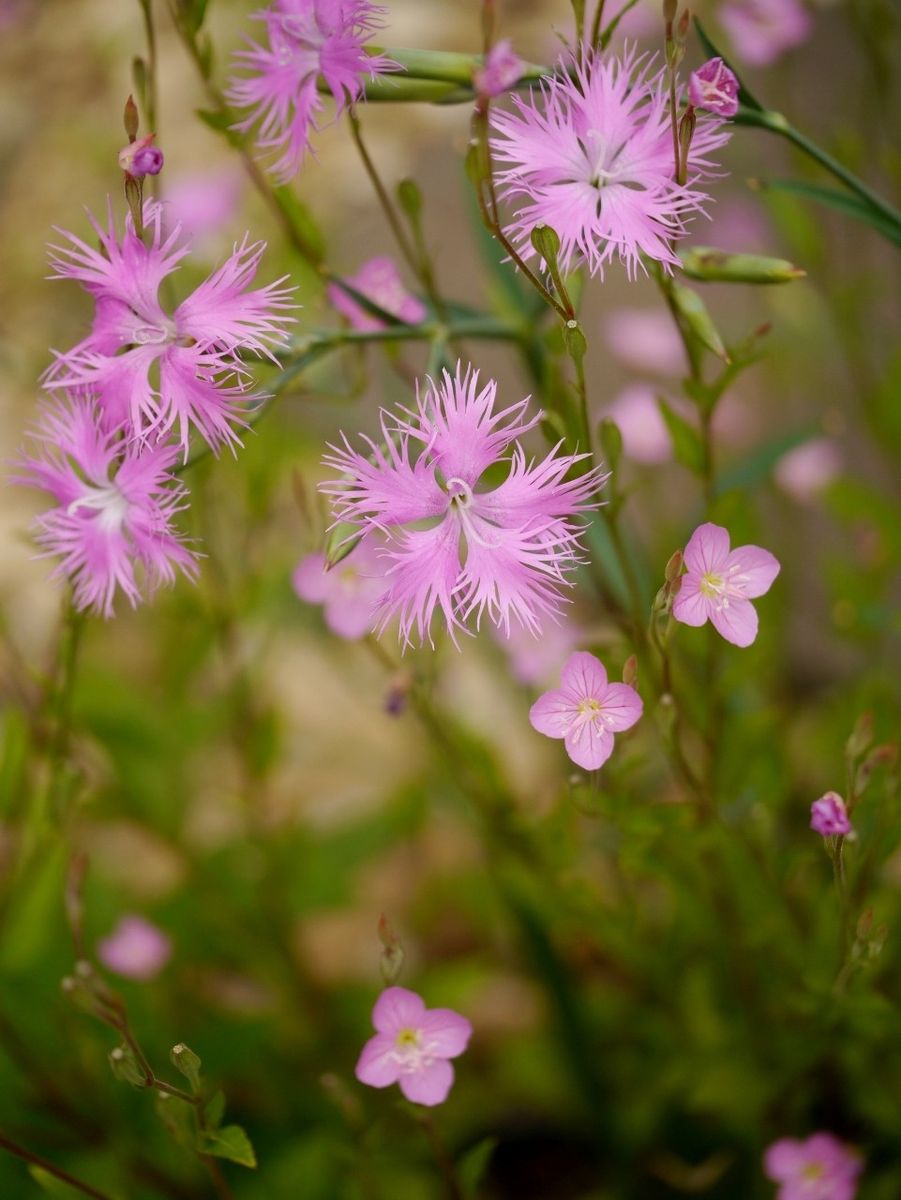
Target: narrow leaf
(685, 438)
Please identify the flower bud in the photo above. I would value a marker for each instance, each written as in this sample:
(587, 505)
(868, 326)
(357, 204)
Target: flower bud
(673, 568)
(715, 88)
(124, 1066)
(686, 133)
(630, 671)
(141, 158)
(130, 118)
(187, 1062)
(717, 266)
(546, 242)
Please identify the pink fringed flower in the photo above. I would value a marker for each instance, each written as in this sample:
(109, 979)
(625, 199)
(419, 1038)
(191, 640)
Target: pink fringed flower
(304, 39)
(829, 816)
(819, 1168)
(458, 545)
(592, 156)
(349, 592)
(586, 711)
(500, 71)
(378, 280)
(714, 87)
(720, 584)
(135, 949)
(195, 351)
(412, 1046)
(762, 30)
(115, 503)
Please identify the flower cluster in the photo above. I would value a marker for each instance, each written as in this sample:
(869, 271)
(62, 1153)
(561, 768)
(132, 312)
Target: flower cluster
(304, 39)
(457, 545)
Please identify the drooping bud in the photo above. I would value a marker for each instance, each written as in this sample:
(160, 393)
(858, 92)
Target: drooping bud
(715, 88)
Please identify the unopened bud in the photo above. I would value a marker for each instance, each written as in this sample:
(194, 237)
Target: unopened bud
(546, 242)
(574, 340)
(130, 119)
(673, 568)
(392, 957)
(141, 157)
(124, 1065)
(630, 670)
(187, 1063)
(684, 25)
(686, 133)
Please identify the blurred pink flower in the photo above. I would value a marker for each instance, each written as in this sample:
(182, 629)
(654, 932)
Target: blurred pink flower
(643, 20)
(808, 469)
(534, 660)
(501, 70)
(586, 711)
(590, 154)
(645, 436)
(720, 584)
(135, 949)
(740, 226)
(203, 202)
(378, 280)
(829, 816)
(154, 371)
(506, 550)
(412, 1046)
(714, 87)
(762, 30)
(305, 39)
(819, 1168)
(349, 592)
(646, 339)
(115, 503)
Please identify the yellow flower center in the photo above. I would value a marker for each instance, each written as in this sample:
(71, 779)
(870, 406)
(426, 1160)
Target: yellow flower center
(589, 707)
(407, 1037)
(711, 584)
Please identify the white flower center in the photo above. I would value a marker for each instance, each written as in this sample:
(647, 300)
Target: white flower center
(410, 1053)
(110, 504)
(153, 335)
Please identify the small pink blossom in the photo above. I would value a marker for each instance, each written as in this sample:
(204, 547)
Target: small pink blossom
(715, 88)
(808, 469)
(501, 69)
(115, 504)
(818, 1168)
(829, 817)
(349, 592)
(156, 371)
(412, 1046)
(720, 584)
(304, 39)
(457, 545)
(591, 155)
(646, 339)
(135, 949)
(637, 415)
(586, 711)
(762, 30)
(141, 157)
(378, 280)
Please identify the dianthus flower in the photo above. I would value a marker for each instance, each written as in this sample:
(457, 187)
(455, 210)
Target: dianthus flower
(505, 549)
(378, 280)
(195, 350)
(762, 30)
(819, 1168)
(829, 816)
(136, 949)
(591, 155)
(720, 584)
(115, 502)
(586, 711)
(305, 39)
(349, 591)
(412, 1046)
(714, 87)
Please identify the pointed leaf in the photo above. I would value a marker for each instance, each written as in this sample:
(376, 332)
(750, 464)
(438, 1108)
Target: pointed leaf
(229, 1142)
(685, 438)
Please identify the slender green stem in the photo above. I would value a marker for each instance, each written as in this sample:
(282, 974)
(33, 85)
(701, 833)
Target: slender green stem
(152, 86)
(596, 23)
(381, 192)
(442, 1155)
(51, 1168)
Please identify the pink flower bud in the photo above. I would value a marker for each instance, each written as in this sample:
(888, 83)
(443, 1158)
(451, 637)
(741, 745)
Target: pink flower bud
(828, 815)
(135, 949)
(501, 70)
(715, 88)
(141, 157)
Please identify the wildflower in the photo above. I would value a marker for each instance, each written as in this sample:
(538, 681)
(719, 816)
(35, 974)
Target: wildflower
(115, 501)
(141, 157)
(500, 71)
(586, 711)
(819, 1168)
(453, 548)
(349, 591)
(762, 30)
(808, 469)
(646, 339)
(829, 817)
(378, 280)
(135, 949)
(592, 156)
(637, 414)
(715, 88)
(412, 1046)
(305, 39)
(201, 379)
(720, 584)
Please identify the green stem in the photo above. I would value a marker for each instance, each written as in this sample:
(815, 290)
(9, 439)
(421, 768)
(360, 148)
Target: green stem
(37, 1161)
(152, 94)
(442, 1156)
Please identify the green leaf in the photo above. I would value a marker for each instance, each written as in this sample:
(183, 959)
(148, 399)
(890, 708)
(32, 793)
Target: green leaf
(214, 1110)
(744, 96)
(686, 440)
(472, 1166)
(842, 202)
(758, 465)
(230, 1142)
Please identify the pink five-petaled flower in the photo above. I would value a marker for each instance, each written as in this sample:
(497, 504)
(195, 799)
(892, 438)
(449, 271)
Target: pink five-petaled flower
(135, 949)
(591, 155)
(453, 548)
(762, 30)
(715, 88)
(501, 69)
(720, 584)
(349, 591)
(201, 379)
(305, 39)
(829, 817)
(378, 280)
(586, 711)
(819, 1168)
(115, 501)
(412, 1046)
